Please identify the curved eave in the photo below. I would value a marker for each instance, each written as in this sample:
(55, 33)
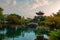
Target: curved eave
(40, 13)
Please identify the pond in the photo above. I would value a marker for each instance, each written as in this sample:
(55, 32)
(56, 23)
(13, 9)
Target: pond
(21, 34)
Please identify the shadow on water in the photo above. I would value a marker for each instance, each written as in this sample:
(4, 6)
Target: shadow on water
(2, 33)
(13, 33)
(41, 32)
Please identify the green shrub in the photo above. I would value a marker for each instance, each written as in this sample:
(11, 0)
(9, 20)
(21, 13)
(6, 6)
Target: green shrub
(55, 35)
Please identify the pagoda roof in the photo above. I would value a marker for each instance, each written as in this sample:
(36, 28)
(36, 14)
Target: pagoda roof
(40, 13)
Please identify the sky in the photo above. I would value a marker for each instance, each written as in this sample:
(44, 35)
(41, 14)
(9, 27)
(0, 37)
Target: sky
(28, 8)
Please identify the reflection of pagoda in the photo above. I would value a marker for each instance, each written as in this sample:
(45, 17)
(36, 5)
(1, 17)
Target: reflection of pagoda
(38, 17)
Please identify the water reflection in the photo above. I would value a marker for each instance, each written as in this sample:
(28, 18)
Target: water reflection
(41, 32)
(20, 34)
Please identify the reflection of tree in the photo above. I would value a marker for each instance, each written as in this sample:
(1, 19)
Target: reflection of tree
(2, 36)
(14, 33)
(11, 33)
(41, 32)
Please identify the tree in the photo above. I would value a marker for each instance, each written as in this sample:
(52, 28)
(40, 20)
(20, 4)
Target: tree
(1, 13)
(55, 35)
(28, 20)
(22, 21)
(1, 17)
(13, 18)
(49, 21)
(57, 14)
(53, 21)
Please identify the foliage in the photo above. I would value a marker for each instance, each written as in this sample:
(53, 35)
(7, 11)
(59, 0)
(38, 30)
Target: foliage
(41, 32)
(28, 20)
(1, 17)
(55, 35)
(13, 18)
(53, 21)
(42, 27)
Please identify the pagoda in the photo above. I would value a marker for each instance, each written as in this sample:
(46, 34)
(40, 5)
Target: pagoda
(38, 17)
(40, 13)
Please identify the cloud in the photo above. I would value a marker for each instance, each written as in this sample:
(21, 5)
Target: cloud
(39, 3)
(24, 7)
(51, 8)
(31, 4)
(14, 2)
(27, 7)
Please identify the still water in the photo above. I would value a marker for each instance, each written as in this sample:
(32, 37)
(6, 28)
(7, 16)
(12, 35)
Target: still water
(20, 34)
